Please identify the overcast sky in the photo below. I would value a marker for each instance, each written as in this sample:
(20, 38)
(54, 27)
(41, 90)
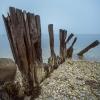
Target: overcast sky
(77, 16)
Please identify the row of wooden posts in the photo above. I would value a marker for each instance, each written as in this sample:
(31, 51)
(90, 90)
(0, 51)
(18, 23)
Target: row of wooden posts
(24, 34)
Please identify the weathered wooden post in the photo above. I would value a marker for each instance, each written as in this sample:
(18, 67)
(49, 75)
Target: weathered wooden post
(92, 45)
(24, 34)
(70, 49)
(38, 24)
(51, 36)
(69, 38)
(52, 59)
(62, 37)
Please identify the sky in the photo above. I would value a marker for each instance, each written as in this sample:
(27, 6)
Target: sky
(76, 16)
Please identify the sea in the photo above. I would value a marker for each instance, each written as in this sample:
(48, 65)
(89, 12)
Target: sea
(83, 40)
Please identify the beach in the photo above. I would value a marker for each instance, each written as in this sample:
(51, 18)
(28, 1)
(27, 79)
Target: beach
(50, 52)
(73, 80)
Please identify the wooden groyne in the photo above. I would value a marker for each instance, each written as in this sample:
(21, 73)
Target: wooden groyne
(24, 34)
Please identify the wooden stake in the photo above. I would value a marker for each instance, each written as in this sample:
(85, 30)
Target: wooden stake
(62, 36)
(24, 34)
(51, 35)
(92, 45)
(70, 49)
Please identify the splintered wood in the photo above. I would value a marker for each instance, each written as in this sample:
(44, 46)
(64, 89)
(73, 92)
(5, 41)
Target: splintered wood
(24, 34)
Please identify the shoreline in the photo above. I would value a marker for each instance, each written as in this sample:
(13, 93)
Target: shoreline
(75, 58)
(72, 79)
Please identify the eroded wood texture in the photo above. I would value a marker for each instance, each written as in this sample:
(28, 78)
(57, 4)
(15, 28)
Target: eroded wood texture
(62, 38)
(24, 34)
(38, 24)
(51, 36)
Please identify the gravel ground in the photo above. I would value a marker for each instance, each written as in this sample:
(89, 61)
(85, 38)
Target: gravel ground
(73, 80)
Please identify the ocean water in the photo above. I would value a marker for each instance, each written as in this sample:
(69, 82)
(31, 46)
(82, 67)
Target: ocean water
(83, 40)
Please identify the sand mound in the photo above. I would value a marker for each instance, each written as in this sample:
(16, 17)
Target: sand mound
(73, 80)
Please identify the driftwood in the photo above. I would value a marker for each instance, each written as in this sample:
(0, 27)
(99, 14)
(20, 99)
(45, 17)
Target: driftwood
(24, 34)
(70, 49)
(62, 37)
(92, 45)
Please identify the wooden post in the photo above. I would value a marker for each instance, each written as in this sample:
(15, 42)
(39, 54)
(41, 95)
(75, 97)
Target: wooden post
(92, 45)
(51, 36)
(74, 41)
(70, 49)
(69, 38)
(38, 24)
(62, 36)
(24, 34)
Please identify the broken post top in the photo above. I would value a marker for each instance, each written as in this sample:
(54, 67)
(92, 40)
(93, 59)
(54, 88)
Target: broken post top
(50, 26)
(62, 34)
(24, 34)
